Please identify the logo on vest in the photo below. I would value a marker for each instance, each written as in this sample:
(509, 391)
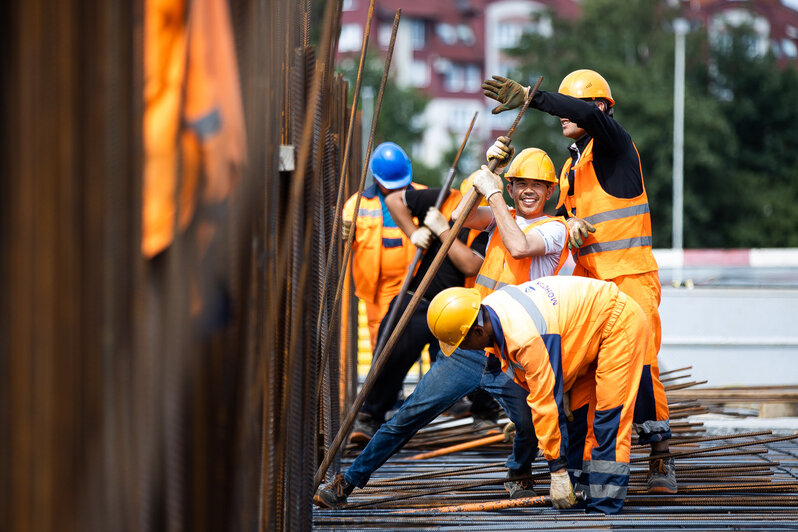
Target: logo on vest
(549, 292)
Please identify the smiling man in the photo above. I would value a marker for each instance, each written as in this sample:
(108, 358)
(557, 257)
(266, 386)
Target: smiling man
(604, 201)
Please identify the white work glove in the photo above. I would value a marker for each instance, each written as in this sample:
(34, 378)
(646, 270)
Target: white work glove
(346, 228)
(502, 152)
(562, 492)
(436, 221)
(421, 237)
(487, 183)
(577, 231)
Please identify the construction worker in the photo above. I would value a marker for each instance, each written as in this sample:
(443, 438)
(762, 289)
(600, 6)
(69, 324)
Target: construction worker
(381, 253)
(462, 262)
(453, 377)
(562, 336)
(603, 197)
(524, 244)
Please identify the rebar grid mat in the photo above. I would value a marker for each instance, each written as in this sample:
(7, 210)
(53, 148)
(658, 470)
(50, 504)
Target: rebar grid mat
(742, 481)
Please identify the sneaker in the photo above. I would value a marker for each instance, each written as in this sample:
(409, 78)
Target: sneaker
(364, 429)
(334, 494)
(488, 424)
(518, 488)
(661, 475)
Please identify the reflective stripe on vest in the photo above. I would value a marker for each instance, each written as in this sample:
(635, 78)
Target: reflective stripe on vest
(369, 213)
(615, 245)
(529, 307)
(616, 214)
(487, 282)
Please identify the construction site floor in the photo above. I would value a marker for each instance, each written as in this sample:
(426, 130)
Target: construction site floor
(742, 481)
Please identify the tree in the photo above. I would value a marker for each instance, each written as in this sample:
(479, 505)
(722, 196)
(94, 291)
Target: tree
(631, 44)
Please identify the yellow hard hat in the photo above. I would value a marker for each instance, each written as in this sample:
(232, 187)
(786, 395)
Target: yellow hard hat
(451, 314)
(468, 184)
(532, 163)
(586, 84)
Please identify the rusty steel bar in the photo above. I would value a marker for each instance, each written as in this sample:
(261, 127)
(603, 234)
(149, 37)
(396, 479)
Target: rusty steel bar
(682, 454)
(339, 201)
(523, 502)
(459, 447)
(433, 269)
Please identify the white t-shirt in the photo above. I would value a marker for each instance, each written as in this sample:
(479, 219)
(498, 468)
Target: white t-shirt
(554, 236)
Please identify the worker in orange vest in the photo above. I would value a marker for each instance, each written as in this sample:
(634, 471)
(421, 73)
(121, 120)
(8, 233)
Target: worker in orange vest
(381, 253)
(560, 335)
(603, 197)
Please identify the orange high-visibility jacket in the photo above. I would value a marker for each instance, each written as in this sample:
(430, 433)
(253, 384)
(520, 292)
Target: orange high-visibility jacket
(551, 331)
(500, 268)
(622, 242)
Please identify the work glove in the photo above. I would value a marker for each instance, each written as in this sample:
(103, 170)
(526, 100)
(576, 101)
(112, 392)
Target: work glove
(436, 221)
(577, 231)
(566, 406)
(487, 183)
(509, 432)
(562, 492)
(510, 94)
(346, 228)
(421, 237)
(502, 152)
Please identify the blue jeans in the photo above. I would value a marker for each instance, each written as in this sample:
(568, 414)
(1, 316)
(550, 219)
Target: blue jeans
(448, 380)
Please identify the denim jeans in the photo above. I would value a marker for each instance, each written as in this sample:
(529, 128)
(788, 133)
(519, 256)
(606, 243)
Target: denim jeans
(448, 380)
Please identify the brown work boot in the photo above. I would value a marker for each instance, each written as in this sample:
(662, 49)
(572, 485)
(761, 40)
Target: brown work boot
(364, 428)
(519, 487)
(334, 494)
(661, 475)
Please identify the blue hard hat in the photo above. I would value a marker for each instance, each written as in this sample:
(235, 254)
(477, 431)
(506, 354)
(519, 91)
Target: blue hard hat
(391, 166)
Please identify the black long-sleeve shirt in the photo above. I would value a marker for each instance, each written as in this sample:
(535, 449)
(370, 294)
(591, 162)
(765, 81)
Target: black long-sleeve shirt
(615, 158)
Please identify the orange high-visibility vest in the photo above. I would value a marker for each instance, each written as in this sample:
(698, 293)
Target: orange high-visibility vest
(622, 242)
(553, 328)
(373, 241)
(500, 268)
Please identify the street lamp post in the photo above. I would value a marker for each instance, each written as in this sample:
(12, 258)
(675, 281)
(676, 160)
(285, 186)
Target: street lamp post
(680, 28)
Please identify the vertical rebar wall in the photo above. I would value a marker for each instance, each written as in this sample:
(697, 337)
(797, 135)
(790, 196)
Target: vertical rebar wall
(123, 406)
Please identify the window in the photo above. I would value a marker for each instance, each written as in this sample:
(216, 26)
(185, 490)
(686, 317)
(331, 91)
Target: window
(466, 35)
(349, 5)
(453, 78)
(789, 49)
(757, 44)
(508, 34)
(419, 73)
(446, 33)
(384, 35)
(473, 78)
(418, 36)
(460, 117)
(351, 38)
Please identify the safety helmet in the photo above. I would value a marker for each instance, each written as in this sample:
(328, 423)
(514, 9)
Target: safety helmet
(586, 84)
(468, 184)
(532, 163)
(391, 166)
(451, 314)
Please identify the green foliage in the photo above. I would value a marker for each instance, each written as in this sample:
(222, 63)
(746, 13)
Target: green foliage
(740, 162)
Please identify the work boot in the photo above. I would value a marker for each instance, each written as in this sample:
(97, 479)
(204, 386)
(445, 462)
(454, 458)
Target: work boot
(661, 475)
(489, 424)
(519, 487)
(364, 429)
(334, 494)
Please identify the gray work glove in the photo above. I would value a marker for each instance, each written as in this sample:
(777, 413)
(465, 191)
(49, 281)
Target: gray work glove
(502, 152)
(509, 432)
(510, 94)
(562, 492)
(578, 230)
(487, 183)
(421, 237)
(436, 221)
(346, 228)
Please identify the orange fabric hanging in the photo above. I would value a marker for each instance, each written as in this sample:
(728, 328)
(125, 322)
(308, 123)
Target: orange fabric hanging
(192, 104)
